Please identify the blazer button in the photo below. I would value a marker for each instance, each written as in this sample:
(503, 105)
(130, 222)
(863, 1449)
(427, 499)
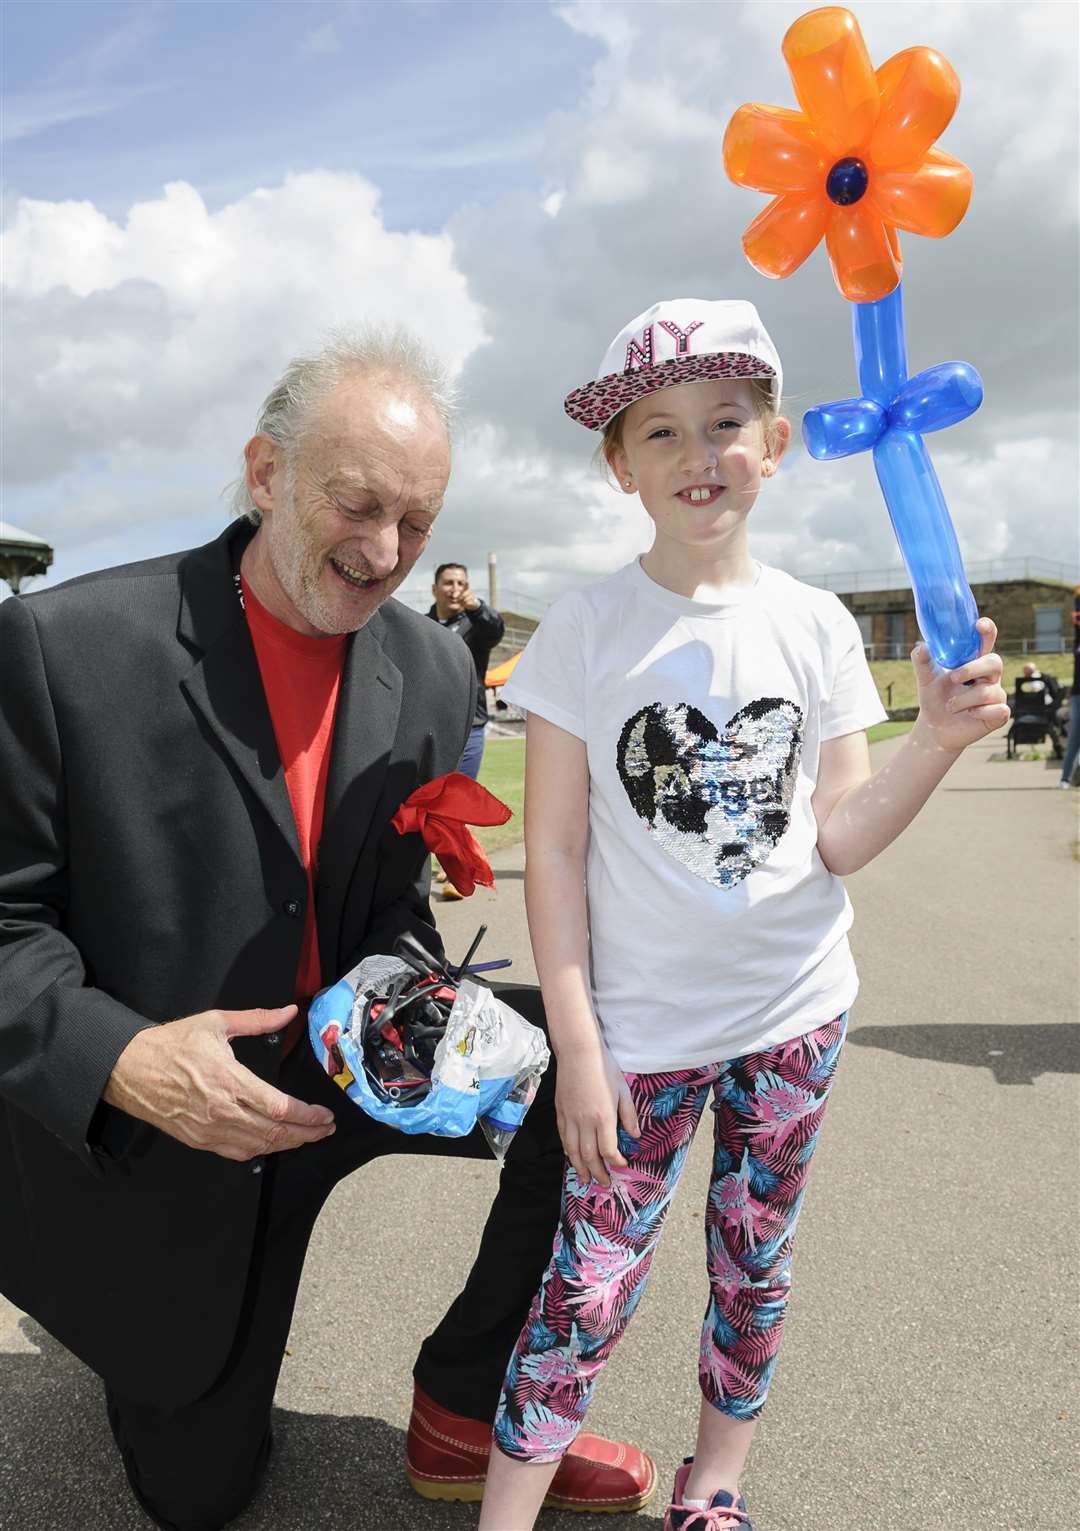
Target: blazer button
(272, 1039)
(293, 908)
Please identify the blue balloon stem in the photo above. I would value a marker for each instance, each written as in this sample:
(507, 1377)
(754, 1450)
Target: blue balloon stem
(889, 419)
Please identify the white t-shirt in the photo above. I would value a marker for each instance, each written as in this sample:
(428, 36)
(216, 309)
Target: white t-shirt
(715, 928)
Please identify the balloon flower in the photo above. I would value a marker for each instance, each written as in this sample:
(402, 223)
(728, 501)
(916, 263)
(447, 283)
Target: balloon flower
(854, 166)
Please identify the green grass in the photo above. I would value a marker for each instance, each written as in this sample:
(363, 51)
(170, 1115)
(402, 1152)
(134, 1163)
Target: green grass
(887, 731)
(899, 673)
(503, 772)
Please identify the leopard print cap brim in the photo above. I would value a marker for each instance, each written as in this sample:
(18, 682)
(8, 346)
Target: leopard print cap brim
(598, 402)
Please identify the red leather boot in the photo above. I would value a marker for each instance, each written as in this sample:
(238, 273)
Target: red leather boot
(446, 1457)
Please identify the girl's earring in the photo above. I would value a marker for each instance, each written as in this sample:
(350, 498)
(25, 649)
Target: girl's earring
(629, 483)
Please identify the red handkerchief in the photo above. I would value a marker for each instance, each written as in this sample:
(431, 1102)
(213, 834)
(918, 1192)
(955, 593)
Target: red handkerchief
(441, 812)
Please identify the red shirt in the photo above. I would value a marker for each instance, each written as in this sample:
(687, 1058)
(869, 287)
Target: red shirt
(301, 677)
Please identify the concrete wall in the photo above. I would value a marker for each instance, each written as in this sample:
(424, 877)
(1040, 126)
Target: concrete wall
(1011, 603)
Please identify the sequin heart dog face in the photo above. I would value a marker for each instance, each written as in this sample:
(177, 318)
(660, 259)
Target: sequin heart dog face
(717, 802)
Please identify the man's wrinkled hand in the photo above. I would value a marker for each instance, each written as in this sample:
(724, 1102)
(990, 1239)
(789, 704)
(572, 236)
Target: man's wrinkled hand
(183, 1078)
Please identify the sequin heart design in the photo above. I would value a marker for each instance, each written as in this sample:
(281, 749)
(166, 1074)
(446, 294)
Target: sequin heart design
(718, 802)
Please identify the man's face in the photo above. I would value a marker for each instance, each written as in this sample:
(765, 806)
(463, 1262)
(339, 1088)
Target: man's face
(450, 590)
(345, 521)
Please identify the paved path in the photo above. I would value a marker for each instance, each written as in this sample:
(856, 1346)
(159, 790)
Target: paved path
(928, 1373)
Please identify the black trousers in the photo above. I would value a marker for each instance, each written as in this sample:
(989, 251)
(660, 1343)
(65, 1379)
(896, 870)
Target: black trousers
(197, 1467)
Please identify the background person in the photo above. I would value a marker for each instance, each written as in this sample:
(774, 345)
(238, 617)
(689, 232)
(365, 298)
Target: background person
(200, 756)
(1035, 681)
(1071, 757)
(461, 611)
(697, 783)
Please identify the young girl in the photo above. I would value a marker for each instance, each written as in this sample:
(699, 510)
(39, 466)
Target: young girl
(698, 782)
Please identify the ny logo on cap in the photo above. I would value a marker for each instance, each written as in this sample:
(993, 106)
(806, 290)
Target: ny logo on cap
(640, 354)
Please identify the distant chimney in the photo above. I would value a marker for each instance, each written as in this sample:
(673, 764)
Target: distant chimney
(493, 585)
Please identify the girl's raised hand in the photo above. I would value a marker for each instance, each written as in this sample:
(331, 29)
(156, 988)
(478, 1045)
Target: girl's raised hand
(957, 707)
(591, 1099)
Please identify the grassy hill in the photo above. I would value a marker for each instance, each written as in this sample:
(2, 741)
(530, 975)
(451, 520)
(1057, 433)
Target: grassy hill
(899, 674)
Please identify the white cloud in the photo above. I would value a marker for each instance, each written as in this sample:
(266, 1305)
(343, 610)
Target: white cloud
(646, 212)
(166, 332)
(143, 348)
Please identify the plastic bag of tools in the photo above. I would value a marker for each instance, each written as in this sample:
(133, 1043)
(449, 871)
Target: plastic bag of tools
(424, 1048)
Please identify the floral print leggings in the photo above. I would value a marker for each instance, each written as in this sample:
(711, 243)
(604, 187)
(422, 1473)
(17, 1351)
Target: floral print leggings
(767, 1112)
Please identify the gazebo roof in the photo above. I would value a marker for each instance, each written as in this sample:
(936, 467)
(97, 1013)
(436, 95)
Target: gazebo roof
(14, 536)
(23, 556)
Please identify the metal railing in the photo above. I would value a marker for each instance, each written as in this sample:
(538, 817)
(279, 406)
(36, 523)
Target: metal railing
(842, 581)
(519, 601)
(982, 571)
(1021, 646)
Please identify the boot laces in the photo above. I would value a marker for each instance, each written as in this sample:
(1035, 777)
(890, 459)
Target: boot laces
(718, 1517)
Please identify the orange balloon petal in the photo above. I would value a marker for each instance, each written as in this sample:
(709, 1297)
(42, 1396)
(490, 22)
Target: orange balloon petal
(919, 91)
(930, 200)
(773, 149)
(862, 254)
(783, 235)
(833, 78)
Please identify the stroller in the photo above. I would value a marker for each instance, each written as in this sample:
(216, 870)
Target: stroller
(1034, 715)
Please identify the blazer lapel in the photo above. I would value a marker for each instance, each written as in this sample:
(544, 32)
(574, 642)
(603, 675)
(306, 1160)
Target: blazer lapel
(368, 707)
(224, 684)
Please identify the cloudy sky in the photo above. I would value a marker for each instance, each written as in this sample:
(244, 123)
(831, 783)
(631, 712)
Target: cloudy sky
(193, 192)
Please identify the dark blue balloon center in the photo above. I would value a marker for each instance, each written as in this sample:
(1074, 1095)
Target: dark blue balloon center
(847, 181)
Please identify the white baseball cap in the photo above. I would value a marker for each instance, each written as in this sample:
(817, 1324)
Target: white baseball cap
(681, 340)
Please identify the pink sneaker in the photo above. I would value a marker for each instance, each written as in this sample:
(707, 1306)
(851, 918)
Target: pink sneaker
(723, 1513)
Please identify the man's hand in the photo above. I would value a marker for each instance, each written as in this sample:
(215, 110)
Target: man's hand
(470, 600)
(183, 1078)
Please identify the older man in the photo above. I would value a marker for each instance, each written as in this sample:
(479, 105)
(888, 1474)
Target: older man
(199, 760)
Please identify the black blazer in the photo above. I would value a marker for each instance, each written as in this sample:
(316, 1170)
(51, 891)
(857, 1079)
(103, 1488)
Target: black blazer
(149, 869)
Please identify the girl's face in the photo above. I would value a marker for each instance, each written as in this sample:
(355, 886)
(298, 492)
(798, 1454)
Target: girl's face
(697, 454)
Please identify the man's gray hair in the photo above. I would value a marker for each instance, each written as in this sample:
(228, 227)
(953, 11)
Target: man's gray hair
(288, 408)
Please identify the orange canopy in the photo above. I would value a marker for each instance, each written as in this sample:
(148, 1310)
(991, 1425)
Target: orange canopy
(501, 673)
